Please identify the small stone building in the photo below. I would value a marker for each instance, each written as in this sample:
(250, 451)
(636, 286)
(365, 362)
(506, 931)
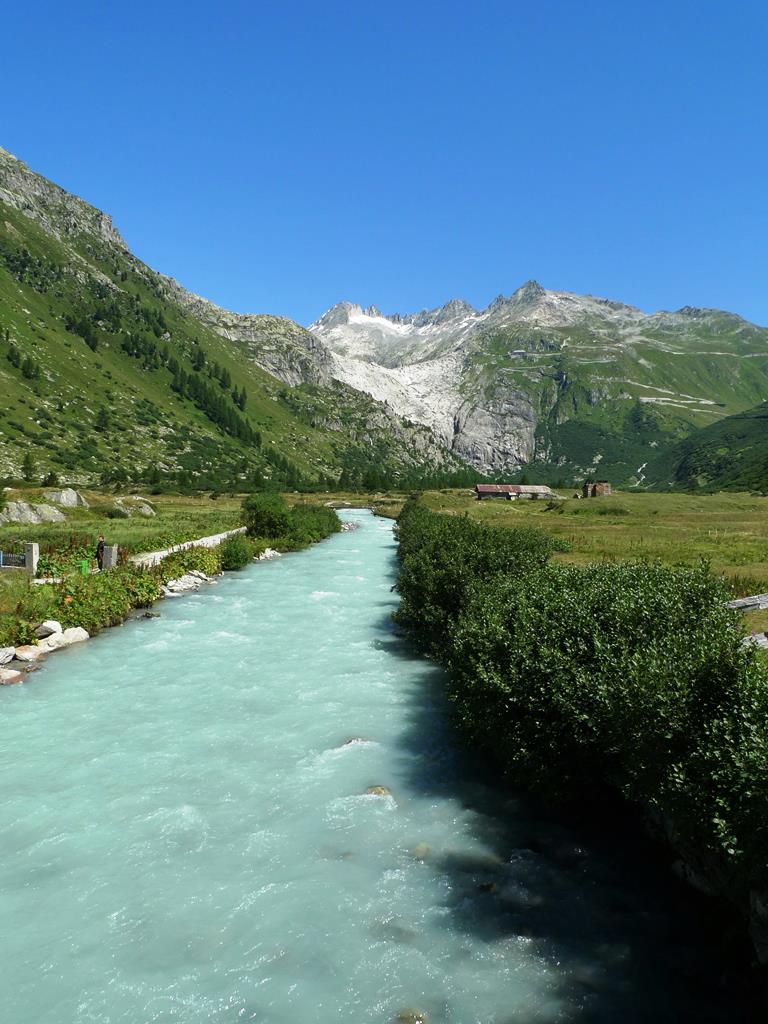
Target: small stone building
(595, 488)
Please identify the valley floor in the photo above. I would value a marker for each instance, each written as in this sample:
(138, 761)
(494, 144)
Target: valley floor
(730, 530)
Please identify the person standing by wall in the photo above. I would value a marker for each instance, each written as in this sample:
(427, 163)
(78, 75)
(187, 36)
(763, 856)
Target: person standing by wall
(100, 552)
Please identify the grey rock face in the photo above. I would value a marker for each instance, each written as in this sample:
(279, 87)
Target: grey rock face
(23, 512)
(67, 497)
(6, 654)
(59, 212)
(496, 434)
(278, 345)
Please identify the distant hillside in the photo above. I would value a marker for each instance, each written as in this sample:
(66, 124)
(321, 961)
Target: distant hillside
(729, 455)
(108, 368)
(561, 384)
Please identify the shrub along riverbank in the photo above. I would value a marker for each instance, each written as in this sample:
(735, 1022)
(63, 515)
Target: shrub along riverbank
(630, 674)
(107, 599)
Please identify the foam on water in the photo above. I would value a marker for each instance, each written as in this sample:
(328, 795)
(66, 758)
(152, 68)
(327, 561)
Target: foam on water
(187, 835)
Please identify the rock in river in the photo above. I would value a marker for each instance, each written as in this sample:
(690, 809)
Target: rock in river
(9, 676)
(378, 791)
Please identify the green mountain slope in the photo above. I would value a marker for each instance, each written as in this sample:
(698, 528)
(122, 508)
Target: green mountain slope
(109, 368)
(608, 395)
(729, 455)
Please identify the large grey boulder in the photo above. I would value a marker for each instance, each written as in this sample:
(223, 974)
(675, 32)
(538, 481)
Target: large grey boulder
(67, 497)
(30, 515)
(135, 505)
(48, 628)
(7, 654)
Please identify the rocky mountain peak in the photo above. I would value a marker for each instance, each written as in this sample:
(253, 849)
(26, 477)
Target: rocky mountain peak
(336, 316)
(453, 310)
(57, 211)
(527, 294)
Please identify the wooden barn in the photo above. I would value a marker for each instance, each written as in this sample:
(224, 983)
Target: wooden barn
(514, 492)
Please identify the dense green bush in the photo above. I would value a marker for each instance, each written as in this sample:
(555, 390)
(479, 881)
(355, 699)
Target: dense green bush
(630, 674)
(266, 515)
(442, 556)
(93, 602)
(311, 523)
(104, 599)
(207, 560)
(236, 552)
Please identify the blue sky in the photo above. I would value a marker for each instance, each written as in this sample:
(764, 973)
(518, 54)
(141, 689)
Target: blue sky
(279, 157)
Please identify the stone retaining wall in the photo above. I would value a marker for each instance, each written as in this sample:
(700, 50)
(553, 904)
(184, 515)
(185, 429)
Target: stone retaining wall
(149, 558)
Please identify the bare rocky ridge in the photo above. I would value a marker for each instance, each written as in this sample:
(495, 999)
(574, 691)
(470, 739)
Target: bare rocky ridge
(60, 213)
(539, 376)
(494, 384)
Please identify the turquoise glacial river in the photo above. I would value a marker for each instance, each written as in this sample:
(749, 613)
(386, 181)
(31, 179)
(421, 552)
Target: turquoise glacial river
(186, 834)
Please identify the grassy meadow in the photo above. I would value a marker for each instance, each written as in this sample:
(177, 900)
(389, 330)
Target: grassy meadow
(730, 530)
(178, 518)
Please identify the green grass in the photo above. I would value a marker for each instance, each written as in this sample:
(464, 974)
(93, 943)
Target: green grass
(729, 530)
(178, 518)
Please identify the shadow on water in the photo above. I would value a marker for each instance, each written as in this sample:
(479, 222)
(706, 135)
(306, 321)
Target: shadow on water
(582, 888)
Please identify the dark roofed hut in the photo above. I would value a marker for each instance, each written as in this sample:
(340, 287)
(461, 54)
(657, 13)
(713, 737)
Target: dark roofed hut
(496, 491)
(514, 492)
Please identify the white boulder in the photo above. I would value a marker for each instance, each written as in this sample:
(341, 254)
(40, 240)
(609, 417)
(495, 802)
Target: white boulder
(29, 652)
(185, 584)
(75, 635)
(48, 628)
(67, 497)
(6, 654)
(31, 515)
(52, 643)
(58, 641)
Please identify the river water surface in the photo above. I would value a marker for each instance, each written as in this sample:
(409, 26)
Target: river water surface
(187, 837)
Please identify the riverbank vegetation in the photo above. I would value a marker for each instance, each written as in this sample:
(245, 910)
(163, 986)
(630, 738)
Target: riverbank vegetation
(729, 530)
(631, 674)
(97, 600)
(269, 518)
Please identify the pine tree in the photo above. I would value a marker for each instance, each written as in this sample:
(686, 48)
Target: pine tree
(28, 467)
